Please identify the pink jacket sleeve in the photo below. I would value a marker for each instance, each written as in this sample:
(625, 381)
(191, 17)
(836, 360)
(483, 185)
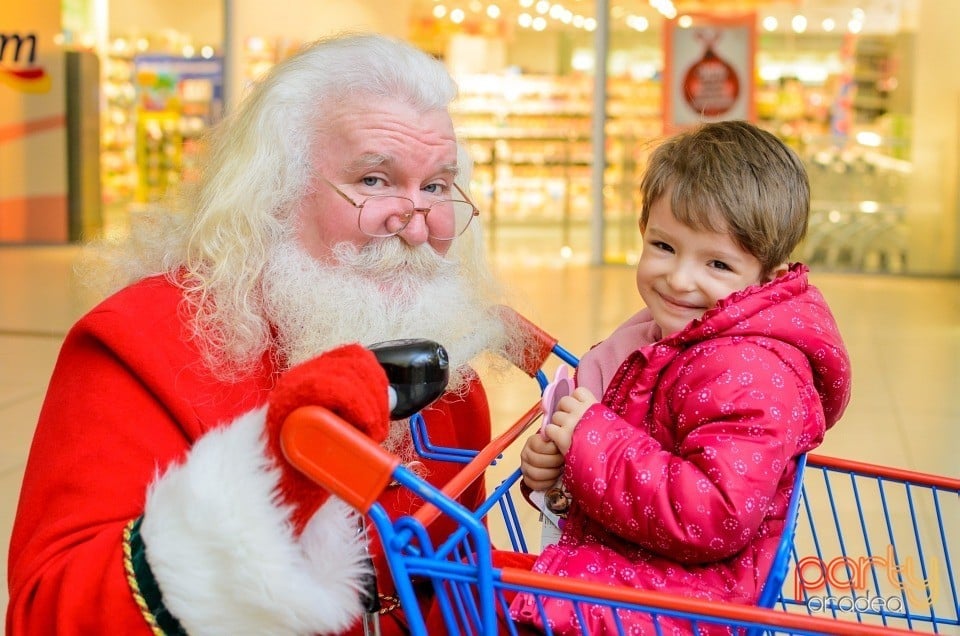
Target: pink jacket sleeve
(695, 479)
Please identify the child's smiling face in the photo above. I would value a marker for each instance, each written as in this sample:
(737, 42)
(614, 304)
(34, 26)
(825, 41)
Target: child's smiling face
(683, 271)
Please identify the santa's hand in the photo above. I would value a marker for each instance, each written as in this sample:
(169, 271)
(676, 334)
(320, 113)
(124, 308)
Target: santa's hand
(349, 382)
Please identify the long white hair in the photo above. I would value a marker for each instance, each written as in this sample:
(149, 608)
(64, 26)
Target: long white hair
(257, 169)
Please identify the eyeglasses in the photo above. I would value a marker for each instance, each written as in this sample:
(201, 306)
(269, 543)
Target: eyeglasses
(381, 216)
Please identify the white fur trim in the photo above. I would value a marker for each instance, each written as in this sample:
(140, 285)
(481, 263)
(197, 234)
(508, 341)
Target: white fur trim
(223, 552)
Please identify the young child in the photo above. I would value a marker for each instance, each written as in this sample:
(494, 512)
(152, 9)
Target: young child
(681, 472)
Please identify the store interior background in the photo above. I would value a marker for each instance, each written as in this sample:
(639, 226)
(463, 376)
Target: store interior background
(885, 192)
(900, 317)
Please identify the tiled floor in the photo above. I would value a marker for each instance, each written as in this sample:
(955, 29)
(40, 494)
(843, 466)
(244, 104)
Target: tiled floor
(903, 335)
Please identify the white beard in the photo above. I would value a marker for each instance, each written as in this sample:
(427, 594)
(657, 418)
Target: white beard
(399, 442)
(384, 291)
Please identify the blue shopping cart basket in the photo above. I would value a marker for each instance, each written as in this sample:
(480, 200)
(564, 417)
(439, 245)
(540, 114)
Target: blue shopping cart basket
(872, 549)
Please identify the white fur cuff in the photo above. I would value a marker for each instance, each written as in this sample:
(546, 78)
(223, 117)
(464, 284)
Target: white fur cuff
(224, 554)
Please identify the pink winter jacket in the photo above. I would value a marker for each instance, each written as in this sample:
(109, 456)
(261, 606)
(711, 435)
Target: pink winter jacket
(681, 476)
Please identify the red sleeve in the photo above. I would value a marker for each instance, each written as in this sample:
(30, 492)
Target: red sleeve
(117, 412)
(99, 440)
(704, 498)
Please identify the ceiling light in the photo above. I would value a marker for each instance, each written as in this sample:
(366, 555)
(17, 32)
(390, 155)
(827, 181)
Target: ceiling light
(665, 7)
(869, 138)
(638, 22)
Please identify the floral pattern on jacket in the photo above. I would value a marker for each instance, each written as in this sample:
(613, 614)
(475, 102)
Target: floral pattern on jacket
(681, 476)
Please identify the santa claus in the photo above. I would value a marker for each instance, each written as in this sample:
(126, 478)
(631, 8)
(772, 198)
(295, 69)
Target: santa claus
(155, 498)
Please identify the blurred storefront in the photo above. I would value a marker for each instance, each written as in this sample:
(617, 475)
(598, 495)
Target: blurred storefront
(867, 93)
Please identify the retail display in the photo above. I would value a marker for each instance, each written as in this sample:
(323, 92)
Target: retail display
(530, 139)
(859, 205)
(530, 136)
(874, 77)
(836, 109)
(118, 126)
(158, 152)
(177, 99)
(156, 109)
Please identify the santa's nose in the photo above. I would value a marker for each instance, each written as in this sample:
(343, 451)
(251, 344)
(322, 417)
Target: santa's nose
(416, 231)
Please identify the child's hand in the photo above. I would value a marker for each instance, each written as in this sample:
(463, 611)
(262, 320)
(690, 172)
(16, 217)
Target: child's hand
(540, 462)
(566, 416)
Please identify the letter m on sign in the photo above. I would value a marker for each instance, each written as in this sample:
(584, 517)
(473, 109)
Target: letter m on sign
(11, 47)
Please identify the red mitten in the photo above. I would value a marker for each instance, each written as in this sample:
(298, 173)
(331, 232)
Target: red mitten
(348, 381)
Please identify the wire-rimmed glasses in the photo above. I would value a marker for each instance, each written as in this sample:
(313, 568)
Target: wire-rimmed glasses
(381, 216)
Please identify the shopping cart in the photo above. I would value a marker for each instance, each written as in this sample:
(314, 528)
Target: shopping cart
(872, 552)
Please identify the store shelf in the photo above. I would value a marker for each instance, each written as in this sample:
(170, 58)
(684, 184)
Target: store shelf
(530, 139)
(118, 129)
(157, 106)
(859, 197)
(875, 63)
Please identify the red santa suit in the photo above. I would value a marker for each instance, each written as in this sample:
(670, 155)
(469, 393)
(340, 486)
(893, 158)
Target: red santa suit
(138, 447)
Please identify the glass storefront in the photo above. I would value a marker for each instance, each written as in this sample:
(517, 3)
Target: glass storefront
(839, 92)
(841, 84)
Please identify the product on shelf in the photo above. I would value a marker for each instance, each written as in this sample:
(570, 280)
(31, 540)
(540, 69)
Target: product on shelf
(156, 107)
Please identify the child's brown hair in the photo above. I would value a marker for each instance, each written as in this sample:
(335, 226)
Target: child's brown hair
(732, 176)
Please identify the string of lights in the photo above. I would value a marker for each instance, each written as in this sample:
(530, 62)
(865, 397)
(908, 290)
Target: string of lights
(642, 15)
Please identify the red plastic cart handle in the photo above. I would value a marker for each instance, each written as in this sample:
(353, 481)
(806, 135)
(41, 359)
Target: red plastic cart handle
(540, 344)
(337, 456)
(470, 473)
(884, 472)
